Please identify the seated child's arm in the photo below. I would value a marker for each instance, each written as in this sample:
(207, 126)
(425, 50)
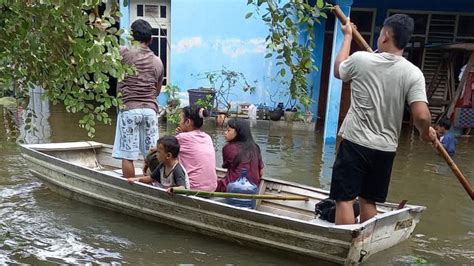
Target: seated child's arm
(145, 168)
(144, 179)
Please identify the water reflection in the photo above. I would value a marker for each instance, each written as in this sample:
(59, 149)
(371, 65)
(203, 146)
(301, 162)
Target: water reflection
(328, 156)
(10, 124)
(38, 112)
(28, 125)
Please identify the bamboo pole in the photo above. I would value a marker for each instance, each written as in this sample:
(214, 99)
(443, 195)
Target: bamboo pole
(462, 179)
(355, 33)
(235, 195)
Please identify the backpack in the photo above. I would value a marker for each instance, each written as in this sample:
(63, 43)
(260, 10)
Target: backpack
(326, 209)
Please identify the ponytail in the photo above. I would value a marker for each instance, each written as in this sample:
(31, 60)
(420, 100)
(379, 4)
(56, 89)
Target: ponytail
(195, 114)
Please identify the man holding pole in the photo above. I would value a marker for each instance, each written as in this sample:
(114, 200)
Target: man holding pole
(381, 84)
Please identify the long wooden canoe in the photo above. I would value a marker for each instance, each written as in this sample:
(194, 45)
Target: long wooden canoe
(86, 171)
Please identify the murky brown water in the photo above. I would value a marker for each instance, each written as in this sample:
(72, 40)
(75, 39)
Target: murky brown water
(37, 225)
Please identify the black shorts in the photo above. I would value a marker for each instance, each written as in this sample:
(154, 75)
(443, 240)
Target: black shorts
(361, 171)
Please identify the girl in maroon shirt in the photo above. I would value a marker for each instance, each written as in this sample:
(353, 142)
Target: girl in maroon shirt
(241, 151)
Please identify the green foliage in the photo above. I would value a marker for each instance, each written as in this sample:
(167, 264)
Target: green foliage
(420, 260)
(171, 91)
(223, 82)
(173, 110)
(205, 103)
(291, 39)
(64, 47)
(174, 117)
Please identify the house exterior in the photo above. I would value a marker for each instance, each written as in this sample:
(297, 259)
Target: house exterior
(195, 36)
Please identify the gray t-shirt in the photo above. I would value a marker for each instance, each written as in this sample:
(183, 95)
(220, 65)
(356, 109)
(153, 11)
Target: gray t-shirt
(177, 177)
(381, 84)
(139, 91)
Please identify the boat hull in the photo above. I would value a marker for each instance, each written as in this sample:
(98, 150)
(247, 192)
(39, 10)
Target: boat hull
(338, 244)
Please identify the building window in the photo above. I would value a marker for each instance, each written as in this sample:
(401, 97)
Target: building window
(421, 21)
(159, 45)
(465, 28)
(151, 11)
(163, 11)
(364, 18)
(139, 10)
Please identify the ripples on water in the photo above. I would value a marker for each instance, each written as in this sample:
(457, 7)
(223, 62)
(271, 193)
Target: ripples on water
(33, 233)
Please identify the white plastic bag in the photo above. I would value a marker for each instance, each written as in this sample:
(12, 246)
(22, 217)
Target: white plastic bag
(253, 112)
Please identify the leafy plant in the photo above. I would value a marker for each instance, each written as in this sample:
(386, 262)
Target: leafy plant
(173, 110)
(291, 38)
(173, 117)
(205, 103)
(420, 260)
(223, 82)
(66, 48)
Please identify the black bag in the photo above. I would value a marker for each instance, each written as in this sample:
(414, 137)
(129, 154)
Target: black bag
(326, 209)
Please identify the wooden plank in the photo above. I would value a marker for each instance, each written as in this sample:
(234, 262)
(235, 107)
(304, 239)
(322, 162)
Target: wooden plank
(452, 81)
(285, 212)
(460, 46)
(65, 146)
(461, 85)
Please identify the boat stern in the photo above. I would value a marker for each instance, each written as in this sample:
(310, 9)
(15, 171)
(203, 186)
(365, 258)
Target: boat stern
(382, 232)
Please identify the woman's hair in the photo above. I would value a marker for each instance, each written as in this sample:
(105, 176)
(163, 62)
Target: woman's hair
(196, 114)
(249, 150)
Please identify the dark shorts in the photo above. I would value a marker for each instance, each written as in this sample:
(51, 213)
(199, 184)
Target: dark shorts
(361, 171)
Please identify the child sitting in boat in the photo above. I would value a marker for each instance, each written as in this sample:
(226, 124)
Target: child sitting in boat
(240, 152)
(169, 172)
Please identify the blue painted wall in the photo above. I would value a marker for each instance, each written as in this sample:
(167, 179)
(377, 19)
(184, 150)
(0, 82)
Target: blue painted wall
(334, 85)
(207, 35)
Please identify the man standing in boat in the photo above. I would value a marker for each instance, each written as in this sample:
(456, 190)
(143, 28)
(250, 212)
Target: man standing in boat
(137, 123)
(381, 84)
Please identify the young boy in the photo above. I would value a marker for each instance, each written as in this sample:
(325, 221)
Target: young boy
(446, 138)
(169, 173)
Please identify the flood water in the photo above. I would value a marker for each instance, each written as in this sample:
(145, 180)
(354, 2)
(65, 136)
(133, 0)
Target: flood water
(38, 226)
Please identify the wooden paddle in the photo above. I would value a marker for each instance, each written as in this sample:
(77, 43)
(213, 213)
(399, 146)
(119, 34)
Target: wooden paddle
(464, 182)
(235, 195)
(363, 44)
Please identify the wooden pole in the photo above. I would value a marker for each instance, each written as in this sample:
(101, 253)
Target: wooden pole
(461, 85)
(235, 195)
(462, 179)
(355, 33)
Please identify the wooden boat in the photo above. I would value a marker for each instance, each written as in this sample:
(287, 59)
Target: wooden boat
(86, 171)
